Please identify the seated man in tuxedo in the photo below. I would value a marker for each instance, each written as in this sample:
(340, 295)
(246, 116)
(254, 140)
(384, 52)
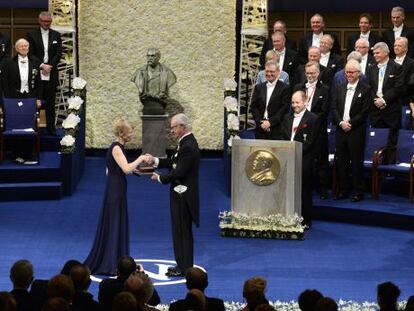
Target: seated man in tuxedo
(197, 279)
(367, 60)
(401, 58)
(269, 103)
(387, 85)
(21, 275)
(272, 55)
(365, 24)
(317, 101)
(304, 126)
(325, 75)
(82, 300)
(349, 112)
(313, 39)
(329, 59)
(398, 30)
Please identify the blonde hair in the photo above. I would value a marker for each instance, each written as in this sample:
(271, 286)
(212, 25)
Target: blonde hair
(120, 126)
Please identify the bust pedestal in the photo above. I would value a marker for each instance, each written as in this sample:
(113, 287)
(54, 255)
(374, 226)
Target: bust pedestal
(154, 134)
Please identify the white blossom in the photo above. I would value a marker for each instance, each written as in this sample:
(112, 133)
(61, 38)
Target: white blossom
(229, 85)
(67, 141)
(232, 122)
(78, 83)
(71, 121)
(230, 103)
(75, 102)
(230, 140)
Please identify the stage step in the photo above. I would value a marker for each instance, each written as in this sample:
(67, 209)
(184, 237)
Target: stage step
(30, 191)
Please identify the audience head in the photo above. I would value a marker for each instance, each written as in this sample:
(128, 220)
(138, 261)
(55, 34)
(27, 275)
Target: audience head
(278, 40)
(307, 299)
(254, 290)
(298, 101)
(69, 265)
(355, 56)
(45, 20)
(81, 277)
(195, 300)
(381, 52)
(397, 16)
(352, 71)
(365, 22)
(21, 274)
(264, 307)
(140, 285)
(362, 46)
(126, 265)
(312, 71)
(122, 130)
(272, 71)
(400, 46)
(272, 55)
(387, 295)
(326, 304)
(317, 23)
(7, 302)
(61, 286)
(326, 44)
(180, 125)
(196, 278)
(56, 304)
(124, 301)
(314, 54)
(153, 57)
(22, 47)
(279, 25)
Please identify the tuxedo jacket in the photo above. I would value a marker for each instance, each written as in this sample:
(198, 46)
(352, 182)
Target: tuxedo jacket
(392, 87)
(5, 49)
(320, 100)
(268, 45)
(83, 301)
(213, 304)
(335, 63)
(307, 133)
(54, 50)
(370, 62)
(325, 75)
(184, 166)
(360, 104)
(306, 43)
(23, 299)
(290, 63)
(389, 39)
(373, 38)
(279, 104)
(12, 82)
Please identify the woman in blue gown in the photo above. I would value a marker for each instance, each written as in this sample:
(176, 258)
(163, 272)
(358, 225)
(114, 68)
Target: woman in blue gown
(112, 235)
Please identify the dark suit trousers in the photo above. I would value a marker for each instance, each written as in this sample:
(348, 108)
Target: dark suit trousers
(182, 231)
(350, 159)
(391, 120)
(48, 94)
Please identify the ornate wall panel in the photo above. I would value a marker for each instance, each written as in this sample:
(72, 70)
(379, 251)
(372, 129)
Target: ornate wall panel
(197, 41)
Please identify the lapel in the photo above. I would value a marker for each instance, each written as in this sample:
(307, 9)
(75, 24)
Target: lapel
(315, 95)
(309, 40)
(40, 39)
(289, 125)
(17, 70)
(387, 73)
(275, 91)
(356, 94)
(303, 121)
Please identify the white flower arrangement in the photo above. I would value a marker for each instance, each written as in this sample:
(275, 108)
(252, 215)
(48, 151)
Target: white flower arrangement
(74, 103)
(230, 103)
(71, 121)
(276, 222)
(78, 83)
(229, 85)
(231, 138)
(233, 122)
(67, 141)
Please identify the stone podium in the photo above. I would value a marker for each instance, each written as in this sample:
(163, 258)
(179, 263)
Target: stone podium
(266, 177)
(154, 134)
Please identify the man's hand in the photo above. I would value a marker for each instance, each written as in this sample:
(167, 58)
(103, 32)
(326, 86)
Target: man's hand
(379, 103)
(265, 125)
(149, 158)
(155, 176)
(38, 103)
(46, 69)
(346, 126)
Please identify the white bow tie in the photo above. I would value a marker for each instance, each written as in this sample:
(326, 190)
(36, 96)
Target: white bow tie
(308, 85)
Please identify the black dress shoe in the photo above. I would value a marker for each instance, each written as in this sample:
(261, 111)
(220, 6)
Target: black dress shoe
(172, 268)
(357, 197)
(341, 196)
(174, 273)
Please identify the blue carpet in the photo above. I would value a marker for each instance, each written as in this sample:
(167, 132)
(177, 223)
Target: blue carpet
(341, 260)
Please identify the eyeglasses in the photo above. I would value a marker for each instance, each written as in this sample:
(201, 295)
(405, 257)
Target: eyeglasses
(351, 72)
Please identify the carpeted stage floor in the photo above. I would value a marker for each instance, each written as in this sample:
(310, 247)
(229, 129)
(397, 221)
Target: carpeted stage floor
(341, 260)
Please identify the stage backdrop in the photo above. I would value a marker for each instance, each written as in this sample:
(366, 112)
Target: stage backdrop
(197, 41)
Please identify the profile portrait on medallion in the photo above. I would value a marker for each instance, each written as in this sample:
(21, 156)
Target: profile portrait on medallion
(262, 168)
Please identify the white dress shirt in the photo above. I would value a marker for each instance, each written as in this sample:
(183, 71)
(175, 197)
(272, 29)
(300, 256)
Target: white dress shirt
(310, 91)
(397, 31)
(281, 57)
(24, 73)
(350, 91)
(297, 117)
(324, 59)
(381, 74)
(364, 60)
(400, 60)
(316, 39)
(364, 35)
(269, 91)
(45, 39)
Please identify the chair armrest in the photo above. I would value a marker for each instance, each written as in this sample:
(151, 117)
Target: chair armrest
(379, 154)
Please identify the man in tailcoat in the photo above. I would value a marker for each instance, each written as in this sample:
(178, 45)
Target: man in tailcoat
(387, 85)
(304, 126)
(184, 193)
(269, 103)
(317, 101)
(46, 45)
(365, 24)
(350, 111)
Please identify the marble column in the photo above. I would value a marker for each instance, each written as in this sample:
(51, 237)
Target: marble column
(154, 132)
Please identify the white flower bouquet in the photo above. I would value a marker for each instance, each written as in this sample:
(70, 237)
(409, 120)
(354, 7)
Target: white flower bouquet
(68, 144)
(74, 104)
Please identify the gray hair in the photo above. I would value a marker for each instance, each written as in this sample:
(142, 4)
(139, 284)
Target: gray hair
(20, 41)
(355, 56)
(398, 9)
(404, 41)
(382, 46)
(183, 120)
(312, 63)
(272, 63)
(354, 64)
(362, 40)
(45, 14)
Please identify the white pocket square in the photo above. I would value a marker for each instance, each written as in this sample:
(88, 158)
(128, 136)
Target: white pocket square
(391, 76)
(359, 95)
(321, 96)
(180, 189)
(54, 42)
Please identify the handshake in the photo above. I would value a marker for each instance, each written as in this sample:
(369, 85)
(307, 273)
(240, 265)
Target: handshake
(148, 160)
